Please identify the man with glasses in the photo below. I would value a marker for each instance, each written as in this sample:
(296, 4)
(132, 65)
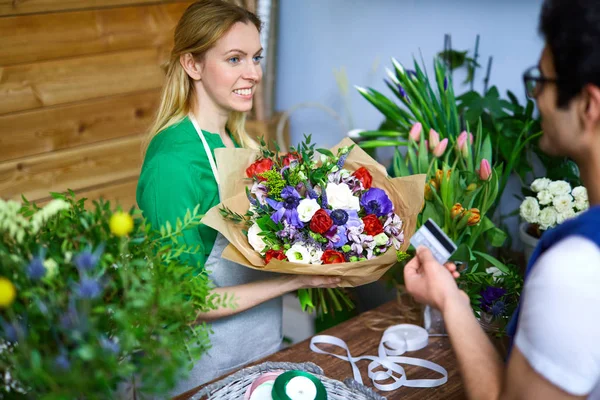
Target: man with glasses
(556, 346)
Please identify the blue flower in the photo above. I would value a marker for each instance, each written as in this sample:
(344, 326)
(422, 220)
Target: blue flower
(489, 296)
(36, 269)
(62, 362)
(87, 260)
(337, 235)
(339, 217)
(110, 345)
(445, 83)
(88, 288)
(342, 160)
(375, 201)
(287, 209)
(498, 309)
(401, 90)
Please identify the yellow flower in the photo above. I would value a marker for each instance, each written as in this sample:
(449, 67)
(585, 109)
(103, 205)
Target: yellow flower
(471, 187)
(121, 224)
(474, 217)
(7, 292)
(457, 211)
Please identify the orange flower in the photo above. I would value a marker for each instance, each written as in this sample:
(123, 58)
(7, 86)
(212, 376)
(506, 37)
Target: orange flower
(474, 216)
(457, 210)
(429, 191)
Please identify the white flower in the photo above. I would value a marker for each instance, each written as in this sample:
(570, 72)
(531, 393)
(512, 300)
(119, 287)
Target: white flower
(254, 239)
(540, 184)
(299, 254)
(563, 203)
(545, 197)
(559, 187)
(530, 210)
(381, 239)
(565, 215)
(341, 197)
(582, 205)
(307, 208)
(494, 271)
(51, 267)
(580, 194)
(315, 255)
(547, 218)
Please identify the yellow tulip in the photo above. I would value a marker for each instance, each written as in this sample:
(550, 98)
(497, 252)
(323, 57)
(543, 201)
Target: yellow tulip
(7, 292)
(121, 224)
(456, 211)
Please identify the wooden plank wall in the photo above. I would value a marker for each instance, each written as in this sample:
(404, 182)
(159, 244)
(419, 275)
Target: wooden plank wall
(79, 83)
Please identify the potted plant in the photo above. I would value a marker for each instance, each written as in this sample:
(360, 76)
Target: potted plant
(548, 204)
(95, 290)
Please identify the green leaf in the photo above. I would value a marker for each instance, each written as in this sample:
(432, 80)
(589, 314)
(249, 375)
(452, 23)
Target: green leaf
(371, 144)
(496, 237)
(400, 167)
(382, 133)
(493, 260)
(326, 152)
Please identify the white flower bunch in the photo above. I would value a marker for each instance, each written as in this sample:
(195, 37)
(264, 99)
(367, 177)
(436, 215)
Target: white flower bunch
(555, 202)
(16, 225)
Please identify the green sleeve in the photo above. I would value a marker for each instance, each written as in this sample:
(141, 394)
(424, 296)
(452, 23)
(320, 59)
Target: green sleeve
(167, 189)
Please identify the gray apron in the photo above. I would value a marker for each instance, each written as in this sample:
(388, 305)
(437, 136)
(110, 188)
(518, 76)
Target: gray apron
(238, 339)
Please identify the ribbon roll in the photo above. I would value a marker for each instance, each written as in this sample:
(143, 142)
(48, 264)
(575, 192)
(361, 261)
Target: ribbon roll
(396, 340)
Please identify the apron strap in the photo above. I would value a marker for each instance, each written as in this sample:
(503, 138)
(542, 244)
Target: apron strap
(209, 154)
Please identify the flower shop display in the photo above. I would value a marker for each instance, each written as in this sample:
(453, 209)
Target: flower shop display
(97, 291)
(549, 203)
(339, 215)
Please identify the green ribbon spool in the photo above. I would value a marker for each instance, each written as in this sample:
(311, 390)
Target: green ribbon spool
(279, 387)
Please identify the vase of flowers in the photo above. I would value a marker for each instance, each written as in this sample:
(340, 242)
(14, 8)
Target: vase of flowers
(549, 203)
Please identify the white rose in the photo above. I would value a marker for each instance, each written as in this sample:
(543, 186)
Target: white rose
(582, 205)
(381, 239)
(341, 197)
(307, 208)
(565, 215)
(558, 188)
(547, 218)
(530, 210)
(545, 197)
(254, 239)
(494, 271)
(580, 194)
(563, 203)
(299, 254)
(540, 184)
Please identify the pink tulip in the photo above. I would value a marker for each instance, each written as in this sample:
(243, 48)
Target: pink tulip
(415, 132)
(485, 170)
(440, 148)
(434, 139)
(461, 142)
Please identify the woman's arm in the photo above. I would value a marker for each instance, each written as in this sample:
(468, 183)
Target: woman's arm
(252, 294)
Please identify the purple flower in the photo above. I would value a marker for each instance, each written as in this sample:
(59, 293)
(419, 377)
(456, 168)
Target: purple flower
(260, 190)
(401, 90)
(87, 260)
(110, 345)
(62, 362)
(88, 288)
(393, 228)
(412, 74)
(354, 223)
(36, 269)
(9, 332)
(342, 160)
(445, 83)
(286, 209)
(339, 217)
(288, 232)
(375, 201)
(70, 319)
(311, 191)
(490, 295)
(337, 236)
(498, 309)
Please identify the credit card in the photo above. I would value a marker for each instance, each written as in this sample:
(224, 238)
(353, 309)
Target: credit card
(431, 236)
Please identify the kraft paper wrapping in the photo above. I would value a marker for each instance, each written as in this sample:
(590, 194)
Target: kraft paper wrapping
(406, 194)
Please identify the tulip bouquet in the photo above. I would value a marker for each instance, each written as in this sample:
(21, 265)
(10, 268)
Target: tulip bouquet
(333, 216)
(99, 291)
(463, 184)
(552, 203)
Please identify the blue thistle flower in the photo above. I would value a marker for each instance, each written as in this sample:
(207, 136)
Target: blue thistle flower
(110, 345)
(62, 362)
(36, 269)
(498, 309)
(89, 288)
(87, 260)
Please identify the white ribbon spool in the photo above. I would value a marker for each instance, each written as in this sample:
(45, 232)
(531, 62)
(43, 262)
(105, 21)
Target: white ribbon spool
(396, 340)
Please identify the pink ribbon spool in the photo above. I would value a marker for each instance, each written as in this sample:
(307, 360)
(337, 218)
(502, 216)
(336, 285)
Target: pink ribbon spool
(266, 377)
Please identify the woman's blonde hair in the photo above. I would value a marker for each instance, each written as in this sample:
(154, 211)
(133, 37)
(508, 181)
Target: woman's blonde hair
(200, 27)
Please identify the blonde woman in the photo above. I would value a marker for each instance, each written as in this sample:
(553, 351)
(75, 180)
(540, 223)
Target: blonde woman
(211, 79)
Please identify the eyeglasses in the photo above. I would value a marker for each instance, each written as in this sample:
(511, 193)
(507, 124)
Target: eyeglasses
(534, 80)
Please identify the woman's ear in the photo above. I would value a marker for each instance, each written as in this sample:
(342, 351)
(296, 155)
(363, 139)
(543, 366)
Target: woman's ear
(191, 66)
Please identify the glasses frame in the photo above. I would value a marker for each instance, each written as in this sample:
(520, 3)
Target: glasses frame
(540, 80)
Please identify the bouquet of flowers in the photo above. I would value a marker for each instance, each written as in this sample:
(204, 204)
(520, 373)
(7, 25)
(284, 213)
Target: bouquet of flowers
(340, 216)
(95, 290)
(551, 203)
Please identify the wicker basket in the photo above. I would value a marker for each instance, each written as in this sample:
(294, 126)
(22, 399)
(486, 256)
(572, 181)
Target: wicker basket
(234, 386)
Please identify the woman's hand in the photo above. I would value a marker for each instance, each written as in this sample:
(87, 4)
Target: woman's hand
(315, 281)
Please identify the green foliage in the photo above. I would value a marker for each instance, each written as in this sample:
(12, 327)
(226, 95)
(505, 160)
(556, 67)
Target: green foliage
(112, 306)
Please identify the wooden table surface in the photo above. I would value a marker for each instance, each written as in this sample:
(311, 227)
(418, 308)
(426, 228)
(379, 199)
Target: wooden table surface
(362, 339)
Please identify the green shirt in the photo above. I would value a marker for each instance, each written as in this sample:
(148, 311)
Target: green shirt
(176, 177)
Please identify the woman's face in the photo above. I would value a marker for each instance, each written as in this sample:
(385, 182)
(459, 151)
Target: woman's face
(231, 70)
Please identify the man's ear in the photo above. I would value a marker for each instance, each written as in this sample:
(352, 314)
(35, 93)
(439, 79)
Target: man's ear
(191, 66)
(591, 114)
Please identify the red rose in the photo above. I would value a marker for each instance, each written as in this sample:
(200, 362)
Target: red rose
(258, 167)
(276, 254)
(373, 225)
(332, 257)
(363, 175)
(291, 157)
(320, 222)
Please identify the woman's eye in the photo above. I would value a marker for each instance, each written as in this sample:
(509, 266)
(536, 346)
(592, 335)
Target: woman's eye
(234, 60)
(257, 59)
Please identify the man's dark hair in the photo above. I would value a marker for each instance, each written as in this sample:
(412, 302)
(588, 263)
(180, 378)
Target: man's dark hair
(571, 29)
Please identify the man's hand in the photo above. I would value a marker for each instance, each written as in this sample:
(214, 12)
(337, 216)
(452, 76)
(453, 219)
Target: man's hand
(431, 283)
